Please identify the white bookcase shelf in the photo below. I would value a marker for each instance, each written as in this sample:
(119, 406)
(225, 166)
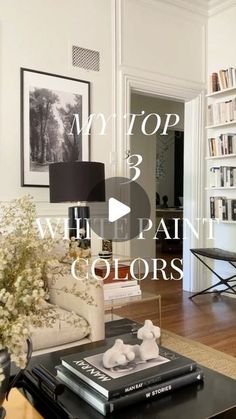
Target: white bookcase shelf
(224, 221)
(222, 92)
(220, 188)
(224, 156)
(225, 124)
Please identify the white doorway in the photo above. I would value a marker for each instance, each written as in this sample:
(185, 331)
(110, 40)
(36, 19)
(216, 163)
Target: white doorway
(160, 168)
(194, 206)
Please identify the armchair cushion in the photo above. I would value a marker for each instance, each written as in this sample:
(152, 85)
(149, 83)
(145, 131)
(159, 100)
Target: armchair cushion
(62, 332)
(93, 313)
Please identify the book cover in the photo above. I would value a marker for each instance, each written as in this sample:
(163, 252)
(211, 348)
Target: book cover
(104, 406)
(89, 368)
(233, 209)
(224, 209)
(212, 207)
(229, 209)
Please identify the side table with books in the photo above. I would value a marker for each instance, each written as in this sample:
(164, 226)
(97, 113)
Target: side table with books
(171, 388)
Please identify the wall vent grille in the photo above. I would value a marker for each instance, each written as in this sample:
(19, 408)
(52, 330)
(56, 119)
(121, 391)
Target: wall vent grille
(85, 58)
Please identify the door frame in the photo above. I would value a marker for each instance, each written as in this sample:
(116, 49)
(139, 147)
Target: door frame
(194, 167)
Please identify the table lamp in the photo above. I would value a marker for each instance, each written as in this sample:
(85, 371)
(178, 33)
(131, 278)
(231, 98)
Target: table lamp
(81, 182)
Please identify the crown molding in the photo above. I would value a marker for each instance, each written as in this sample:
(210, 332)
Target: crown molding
(201, 7)
(218, 6)
(194, 6)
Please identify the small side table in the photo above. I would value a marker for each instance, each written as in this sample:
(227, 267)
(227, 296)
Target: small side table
(217, 254)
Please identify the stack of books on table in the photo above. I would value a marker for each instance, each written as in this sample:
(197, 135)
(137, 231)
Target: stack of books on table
(109, 390)
(114, 288)
(121, 289)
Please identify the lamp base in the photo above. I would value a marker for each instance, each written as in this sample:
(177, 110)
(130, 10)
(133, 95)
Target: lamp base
(82, 214)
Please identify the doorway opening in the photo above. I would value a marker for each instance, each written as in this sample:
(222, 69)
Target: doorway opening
(162, 177)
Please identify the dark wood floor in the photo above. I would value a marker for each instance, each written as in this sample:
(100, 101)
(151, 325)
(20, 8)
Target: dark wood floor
(208, 319)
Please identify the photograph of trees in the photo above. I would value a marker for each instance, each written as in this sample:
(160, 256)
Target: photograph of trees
(51, 117)
(54, 109)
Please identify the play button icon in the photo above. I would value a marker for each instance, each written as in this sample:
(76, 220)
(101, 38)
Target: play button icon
(117, 210)
(125, 212)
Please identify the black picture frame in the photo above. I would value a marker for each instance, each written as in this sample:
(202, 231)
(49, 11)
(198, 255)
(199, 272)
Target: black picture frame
(48, 103)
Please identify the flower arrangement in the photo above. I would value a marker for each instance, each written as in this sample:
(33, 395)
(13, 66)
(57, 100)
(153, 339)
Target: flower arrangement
(26, 264)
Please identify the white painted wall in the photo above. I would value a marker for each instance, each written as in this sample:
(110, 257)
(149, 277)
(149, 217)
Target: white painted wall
(161, 38)
(222, 54)
(39, 36)
(221, 34)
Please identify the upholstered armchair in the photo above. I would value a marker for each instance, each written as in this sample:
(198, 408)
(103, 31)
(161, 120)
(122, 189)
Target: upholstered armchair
(89, 324)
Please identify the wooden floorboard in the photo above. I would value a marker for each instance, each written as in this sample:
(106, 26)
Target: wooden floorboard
(207, 319)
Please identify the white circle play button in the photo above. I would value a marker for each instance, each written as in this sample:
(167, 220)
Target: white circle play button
(117, 210)
(125, 212)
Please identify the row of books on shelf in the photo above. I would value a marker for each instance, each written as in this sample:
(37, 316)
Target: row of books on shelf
(223, 208)
(222, 176)
(221, 112)
(222, 145)
(109, 390)
(224, 79)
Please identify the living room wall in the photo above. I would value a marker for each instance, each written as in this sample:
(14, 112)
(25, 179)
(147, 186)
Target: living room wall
(162, 38)
(39, 36)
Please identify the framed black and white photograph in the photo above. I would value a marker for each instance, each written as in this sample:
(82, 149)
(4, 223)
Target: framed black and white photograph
(54, 109)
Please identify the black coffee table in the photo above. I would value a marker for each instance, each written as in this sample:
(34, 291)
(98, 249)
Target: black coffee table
(217, 394)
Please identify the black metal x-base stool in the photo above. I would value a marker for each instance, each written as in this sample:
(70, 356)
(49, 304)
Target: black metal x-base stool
(217, 254)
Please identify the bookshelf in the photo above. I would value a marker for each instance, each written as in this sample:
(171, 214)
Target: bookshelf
(221, 154)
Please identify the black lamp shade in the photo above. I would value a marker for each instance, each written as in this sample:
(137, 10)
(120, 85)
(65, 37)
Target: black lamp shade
(77, 182)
